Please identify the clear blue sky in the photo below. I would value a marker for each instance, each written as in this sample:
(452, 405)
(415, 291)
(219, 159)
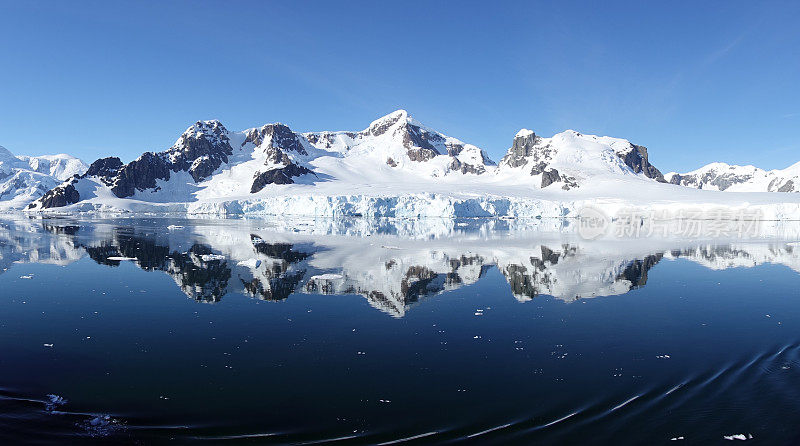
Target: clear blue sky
(695, 82)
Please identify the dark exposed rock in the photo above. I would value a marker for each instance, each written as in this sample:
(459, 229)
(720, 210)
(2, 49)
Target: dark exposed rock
(282, 175)
(280, 136)
(538, 168)
(327, 138)
(787, 187)
(569, 182)
(141, 174)
(415, 136)
(104, 167)
(59, 197)
(200, 150)
(549, 177)
(381, 127)
(391, 162)
(636, 158)
(459, 166)
(522, 147)
(421, 154)
(548, 255)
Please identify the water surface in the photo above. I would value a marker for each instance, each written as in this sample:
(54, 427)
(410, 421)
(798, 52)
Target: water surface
(137, 330)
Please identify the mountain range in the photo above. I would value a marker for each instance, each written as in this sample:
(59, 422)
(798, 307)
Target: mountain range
(396, 167)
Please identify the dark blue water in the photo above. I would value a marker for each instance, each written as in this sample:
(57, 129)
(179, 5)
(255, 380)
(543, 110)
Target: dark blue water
(127, 331)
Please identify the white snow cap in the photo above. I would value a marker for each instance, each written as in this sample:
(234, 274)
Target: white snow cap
(396, 115)
(523, 133)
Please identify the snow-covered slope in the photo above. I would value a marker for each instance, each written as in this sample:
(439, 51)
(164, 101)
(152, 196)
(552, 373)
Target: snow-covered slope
(725, 177)
(24, 179)
(396, 167)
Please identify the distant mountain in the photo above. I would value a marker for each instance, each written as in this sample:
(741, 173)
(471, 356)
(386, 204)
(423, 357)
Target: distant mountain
(725, 177)
(24, 179)
(570, 157)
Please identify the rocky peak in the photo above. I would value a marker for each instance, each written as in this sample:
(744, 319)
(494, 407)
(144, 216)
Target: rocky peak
(201, 149)
(381, 125)
(105, 167)
(526, 148)
(636, 158)
(275, 136)
(419, 142)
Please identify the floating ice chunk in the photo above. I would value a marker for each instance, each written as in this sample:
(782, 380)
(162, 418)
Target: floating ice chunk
(53, 402)
(676, 438)
(741, 437)
(211, 257)
(250, 263)
(29, 276)
(101, 426)
(662, 357)
(174, 227)
(326, 277)
(120, 259)
(48, 345)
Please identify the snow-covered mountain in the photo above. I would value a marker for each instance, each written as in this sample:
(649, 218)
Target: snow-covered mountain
(569, 158)
(24, 179)
(396, 167)
(725, 177)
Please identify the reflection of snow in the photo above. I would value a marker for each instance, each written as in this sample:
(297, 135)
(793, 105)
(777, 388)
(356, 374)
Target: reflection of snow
(273, 259)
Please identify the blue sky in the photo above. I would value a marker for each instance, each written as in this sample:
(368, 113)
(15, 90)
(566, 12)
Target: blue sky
(695, 82)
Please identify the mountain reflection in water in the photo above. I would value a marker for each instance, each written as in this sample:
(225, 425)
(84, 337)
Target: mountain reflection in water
(391, 264)
(493, 335)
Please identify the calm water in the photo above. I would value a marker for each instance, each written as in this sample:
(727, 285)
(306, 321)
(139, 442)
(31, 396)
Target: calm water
(154, 330)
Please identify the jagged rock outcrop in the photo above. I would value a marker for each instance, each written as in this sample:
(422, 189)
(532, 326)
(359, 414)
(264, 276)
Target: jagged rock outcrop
(200, 150)
(104, 167)
(141, 174)
(282, 175)
(60, 196)
(523, 151)
(637, 159)
(549, 177)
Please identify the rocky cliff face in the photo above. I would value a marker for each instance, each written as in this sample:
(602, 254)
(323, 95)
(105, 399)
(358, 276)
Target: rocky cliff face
(636, 158)
(524, 150)
(200, 150)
